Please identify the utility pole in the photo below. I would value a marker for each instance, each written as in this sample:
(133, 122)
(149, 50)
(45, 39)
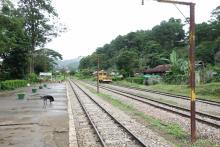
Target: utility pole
(192, 71)
(97, 74)
(191, 53)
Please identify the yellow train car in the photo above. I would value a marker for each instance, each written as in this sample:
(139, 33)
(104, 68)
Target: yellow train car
(104, 77)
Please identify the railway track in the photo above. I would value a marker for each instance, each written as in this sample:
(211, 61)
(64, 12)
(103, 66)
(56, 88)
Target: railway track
(210, 102)
(85, 132)
(109, 131)
(204, 118)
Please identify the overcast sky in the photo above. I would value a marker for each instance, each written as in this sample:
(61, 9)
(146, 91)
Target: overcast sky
(93, 23)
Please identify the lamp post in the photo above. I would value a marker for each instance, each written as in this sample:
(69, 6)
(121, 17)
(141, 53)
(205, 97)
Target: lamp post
(191, 53)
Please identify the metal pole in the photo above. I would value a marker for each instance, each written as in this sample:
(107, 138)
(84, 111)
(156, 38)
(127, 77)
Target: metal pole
(192, 71)
(98, 74)
(191, 63)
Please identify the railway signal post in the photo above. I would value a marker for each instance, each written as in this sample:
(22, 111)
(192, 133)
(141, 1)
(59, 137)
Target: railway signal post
(191, 53)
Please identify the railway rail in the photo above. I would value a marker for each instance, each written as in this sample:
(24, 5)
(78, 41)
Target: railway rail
(173, 95)
(108, 129)
(204, 118)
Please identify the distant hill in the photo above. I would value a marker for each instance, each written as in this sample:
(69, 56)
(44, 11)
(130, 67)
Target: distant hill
(71, 64)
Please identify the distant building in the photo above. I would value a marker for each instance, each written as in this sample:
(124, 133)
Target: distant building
(45, 74)
(160, 69)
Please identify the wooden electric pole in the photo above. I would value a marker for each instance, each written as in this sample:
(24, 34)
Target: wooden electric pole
(191, 53)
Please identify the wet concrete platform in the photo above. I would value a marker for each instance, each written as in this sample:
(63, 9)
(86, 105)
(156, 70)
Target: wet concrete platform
(25, 123)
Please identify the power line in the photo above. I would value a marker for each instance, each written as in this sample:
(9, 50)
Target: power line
(181, 13)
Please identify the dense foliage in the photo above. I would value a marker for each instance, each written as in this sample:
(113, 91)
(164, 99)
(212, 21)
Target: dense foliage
(178, 73)
(39, 27)
(138, 50)
(22, 30)
(45, 59)
(12, 84)
(146, 49)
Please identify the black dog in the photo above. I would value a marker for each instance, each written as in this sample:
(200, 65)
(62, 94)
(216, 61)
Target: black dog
(45, 99)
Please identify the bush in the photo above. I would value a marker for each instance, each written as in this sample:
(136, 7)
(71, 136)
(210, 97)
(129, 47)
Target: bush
(84, 74)
(172, 78)
(32, 78)
(152, 81)
(138, 80)
(117, 78)
(72, 73)
(215, 78)
(12, 84)
(60, 78)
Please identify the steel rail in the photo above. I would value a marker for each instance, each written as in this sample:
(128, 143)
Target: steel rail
(210, 102)
(169, 105)
(166, 109)
(115, 120)
(88, 116)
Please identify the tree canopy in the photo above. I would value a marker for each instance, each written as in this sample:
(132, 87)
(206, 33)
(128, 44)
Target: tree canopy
(22, 30)
(148, 48)
(39, 20)
(138, 50)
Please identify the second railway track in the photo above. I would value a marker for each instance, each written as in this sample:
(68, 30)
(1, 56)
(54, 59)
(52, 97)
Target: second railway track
(204, 118)
(210, 102)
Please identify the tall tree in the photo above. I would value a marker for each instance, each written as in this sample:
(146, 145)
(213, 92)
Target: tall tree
(13, 43)
(152, 53)
(15, 64)
(39, 26)
(126, 62)
(168, 34)
(215, 22)
(203, 32)
(46, 59)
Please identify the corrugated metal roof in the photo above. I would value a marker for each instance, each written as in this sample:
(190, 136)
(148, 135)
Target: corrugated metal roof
(158, 69)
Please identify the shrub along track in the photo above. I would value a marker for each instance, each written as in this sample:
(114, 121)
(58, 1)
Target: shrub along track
(109, 130)
(204, 118)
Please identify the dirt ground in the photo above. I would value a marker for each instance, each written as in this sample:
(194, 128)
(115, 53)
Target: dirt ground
(25, 123)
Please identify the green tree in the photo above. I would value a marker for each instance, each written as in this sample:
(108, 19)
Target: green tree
(86, 63)
(13, 43)
(127, 62)
(205, 52)
(168, 34)
(11, 29)
(152, 53)
(45, 59)
(179, 70)
(203, 32)
(39, 24)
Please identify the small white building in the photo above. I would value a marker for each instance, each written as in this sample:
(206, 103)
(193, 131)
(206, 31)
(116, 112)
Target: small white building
(45, 74)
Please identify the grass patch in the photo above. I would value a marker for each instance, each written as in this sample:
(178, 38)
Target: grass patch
(172, 129)
(204, 143)
(125, 83)
(209, 91)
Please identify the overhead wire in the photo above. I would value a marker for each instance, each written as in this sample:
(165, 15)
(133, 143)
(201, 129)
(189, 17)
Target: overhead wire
(181, 13)
(142, 3)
